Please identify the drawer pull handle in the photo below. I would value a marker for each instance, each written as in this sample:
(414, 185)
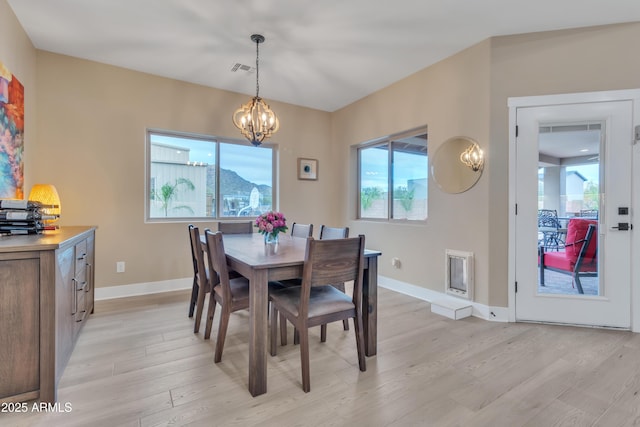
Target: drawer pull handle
(74, 305)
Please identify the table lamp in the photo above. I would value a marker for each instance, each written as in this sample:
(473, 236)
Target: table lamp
(47, 195)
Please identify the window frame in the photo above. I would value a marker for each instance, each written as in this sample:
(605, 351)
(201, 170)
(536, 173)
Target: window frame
(217, 141)
(388, 142)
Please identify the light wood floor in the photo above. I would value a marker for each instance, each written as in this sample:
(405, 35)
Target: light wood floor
(138, 363)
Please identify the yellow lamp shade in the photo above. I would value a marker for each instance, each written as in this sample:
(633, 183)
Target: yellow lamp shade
(47, 195)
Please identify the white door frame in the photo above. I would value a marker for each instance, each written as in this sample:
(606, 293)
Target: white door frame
(577, 98)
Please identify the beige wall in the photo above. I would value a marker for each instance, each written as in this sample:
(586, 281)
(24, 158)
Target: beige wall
(451, 98)
(92, 120)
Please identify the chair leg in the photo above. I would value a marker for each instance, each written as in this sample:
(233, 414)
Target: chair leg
(323, 333)
(273, 318)
(194, 296)
(345, 324)
(578, 284)
(210, 313)
(283, 330)
(360, 342)
(199, 308)
(222, 333)
(304, 359)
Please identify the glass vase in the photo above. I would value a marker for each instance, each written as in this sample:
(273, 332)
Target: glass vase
(270, 238)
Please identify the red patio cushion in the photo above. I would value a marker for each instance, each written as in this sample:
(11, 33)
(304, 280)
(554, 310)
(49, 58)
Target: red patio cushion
(557, 260)
(577, 231)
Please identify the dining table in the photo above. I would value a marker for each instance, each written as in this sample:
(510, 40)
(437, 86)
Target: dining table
(249, 255)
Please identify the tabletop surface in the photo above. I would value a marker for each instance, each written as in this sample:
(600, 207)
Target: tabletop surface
(250, 249)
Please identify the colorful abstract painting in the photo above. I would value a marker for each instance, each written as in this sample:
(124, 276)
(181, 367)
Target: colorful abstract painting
(11, 135)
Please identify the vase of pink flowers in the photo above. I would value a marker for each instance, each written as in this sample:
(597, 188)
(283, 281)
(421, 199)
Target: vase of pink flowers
(270, 224)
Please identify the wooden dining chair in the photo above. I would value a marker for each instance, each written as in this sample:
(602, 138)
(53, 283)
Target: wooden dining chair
(231, 294)
(301, 230)
(195, 286)
(243, 227)
(327, 233)
(316, 302)
(201, 276)
(333, 232)
(235, 227)
(298, 230)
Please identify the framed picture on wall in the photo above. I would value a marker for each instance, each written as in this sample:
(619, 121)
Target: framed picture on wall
(308, 169)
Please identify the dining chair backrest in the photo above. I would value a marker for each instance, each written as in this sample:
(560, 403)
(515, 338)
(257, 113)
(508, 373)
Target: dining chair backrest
(549, 229)
(236, 227)
(582, 241)
(332, 261)
(193, 255)
(301, 230)
(330, 233)
(218, 263)
(548, 218)
(198, 256)
(201, 277)
(333, 232)
(195, 287)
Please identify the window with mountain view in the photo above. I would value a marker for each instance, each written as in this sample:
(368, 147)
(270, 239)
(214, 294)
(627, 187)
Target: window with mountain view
(199, 177)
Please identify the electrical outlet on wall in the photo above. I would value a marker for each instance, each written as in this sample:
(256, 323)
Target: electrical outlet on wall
(120, 267)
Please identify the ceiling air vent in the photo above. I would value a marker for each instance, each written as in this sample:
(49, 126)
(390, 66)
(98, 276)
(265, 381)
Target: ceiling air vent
(238, 66)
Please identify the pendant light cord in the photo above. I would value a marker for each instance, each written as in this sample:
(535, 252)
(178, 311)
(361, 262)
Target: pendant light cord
(257, 70)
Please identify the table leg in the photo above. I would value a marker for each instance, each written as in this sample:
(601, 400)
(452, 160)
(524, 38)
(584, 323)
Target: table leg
(370, 306)
(258, 302)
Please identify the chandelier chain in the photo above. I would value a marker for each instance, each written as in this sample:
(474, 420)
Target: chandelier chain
(257, 69)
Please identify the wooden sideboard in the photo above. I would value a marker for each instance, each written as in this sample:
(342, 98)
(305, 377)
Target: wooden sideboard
(46, 295)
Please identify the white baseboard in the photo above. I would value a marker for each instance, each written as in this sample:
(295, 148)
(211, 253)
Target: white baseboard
(111, 292)
(494, 314)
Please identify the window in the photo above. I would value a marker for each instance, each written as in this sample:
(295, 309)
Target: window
(392, 179)
(201, 177)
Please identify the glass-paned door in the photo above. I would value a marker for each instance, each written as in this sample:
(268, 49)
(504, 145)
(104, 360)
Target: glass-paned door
(573, 192)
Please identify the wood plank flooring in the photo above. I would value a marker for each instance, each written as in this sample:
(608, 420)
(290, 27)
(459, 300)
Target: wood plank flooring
(137, 363)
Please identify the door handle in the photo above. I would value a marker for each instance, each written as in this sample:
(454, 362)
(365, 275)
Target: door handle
(623, 226)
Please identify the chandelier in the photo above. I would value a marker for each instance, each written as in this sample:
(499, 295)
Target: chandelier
(473, 157)
(255, 119)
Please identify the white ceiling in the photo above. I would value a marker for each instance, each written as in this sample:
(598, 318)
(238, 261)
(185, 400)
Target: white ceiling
(584, 144)
(322, 54)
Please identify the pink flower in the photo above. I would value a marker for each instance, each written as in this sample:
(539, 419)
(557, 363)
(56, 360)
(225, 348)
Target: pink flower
(271, 222)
